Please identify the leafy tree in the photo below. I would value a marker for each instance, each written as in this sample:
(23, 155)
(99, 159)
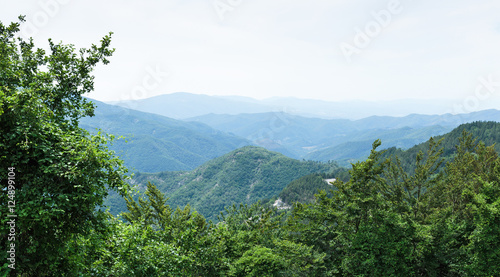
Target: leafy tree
(129, 250)
(464, 219)
(368, 227)
(256, 244)
(197, 244)
(258, 261)
(62, 174)
(303, 189)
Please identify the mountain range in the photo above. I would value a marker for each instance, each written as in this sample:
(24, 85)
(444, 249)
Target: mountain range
(156, 143)
(337, 139)
(314, 129)
(209, 162)
(250, 174)
(182, 105)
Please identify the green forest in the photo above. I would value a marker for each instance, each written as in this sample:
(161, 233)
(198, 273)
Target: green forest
(433, 210)
(245, 175)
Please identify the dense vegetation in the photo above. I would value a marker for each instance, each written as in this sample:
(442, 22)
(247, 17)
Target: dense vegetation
(245, 175)
(379, 223)
(54, 175)
(487, 132)
(303, 189)
(155, 143)
(419, 218)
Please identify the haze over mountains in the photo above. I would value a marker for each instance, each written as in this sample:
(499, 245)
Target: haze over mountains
(182, 105)
(210, 160)
(337, 139)
(158, 143)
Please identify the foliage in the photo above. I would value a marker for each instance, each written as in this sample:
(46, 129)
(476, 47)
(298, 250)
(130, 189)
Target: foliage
(245, 175)
(62, 174)
(382, 222)
(157, 242)
(487, 132)
(303, 189)
(387, 222)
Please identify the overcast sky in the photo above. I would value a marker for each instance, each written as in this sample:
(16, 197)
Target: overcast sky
(319, 49)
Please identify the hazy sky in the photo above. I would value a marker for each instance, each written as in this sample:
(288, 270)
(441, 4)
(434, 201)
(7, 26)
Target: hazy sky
(320, 49)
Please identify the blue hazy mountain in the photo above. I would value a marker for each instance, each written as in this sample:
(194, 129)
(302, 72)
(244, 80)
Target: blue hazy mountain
(157, 143)
(262, 123)
(337, 139)
(183, 105)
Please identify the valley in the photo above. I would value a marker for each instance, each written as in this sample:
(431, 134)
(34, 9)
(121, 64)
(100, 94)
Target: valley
(208, 161)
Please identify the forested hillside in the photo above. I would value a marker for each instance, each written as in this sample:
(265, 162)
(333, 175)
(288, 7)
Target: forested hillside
(226, 180)
(379, 223)
(359, 148)
(245, 175)
(324, 140)
(486, 132)
(155, 143)
(304, 188)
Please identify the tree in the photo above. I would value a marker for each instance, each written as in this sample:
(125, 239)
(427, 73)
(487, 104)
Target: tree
(62, 173)
(369, 226)
(256, 244)
(465, 218)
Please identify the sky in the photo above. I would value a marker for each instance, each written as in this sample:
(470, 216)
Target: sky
(333, 50)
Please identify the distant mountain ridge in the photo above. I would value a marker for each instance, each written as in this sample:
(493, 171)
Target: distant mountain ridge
(157, 143)
(160, 143)
(337, 139)
(487, 132)
(182, 105)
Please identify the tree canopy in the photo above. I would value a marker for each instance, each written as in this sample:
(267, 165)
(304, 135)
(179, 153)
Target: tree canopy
(62, 174)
